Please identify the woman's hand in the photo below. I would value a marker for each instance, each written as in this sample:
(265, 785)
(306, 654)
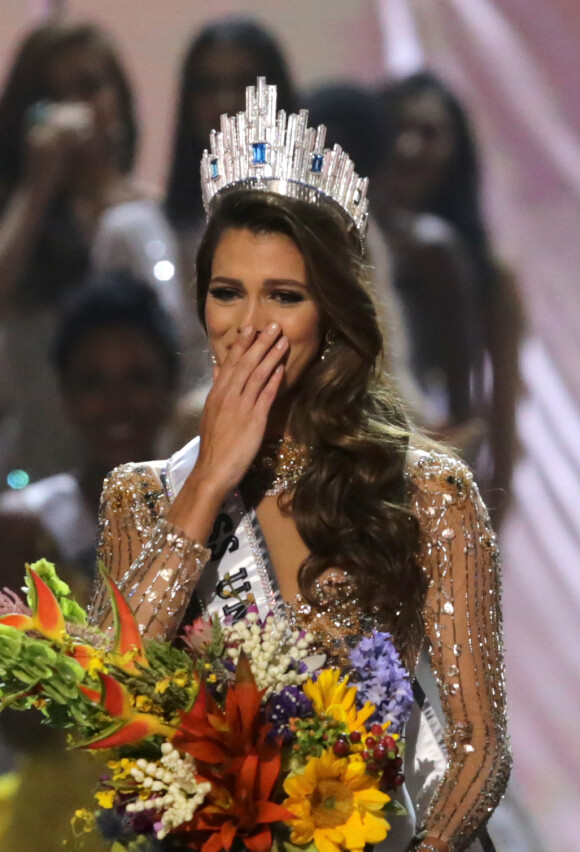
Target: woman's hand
(236, 411)
(232, 427)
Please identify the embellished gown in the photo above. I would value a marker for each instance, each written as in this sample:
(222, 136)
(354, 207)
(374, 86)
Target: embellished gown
(457, 757)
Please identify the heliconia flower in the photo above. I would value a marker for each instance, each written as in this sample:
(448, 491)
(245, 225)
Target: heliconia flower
(131, 726)
(128, 643)
(46, 617)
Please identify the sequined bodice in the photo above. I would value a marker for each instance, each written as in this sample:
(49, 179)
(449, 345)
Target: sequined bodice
(462, 615)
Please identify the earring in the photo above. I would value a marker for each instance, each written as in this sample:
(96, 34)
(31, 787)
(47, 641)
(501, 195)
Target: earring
(213, 359)
(329, 341)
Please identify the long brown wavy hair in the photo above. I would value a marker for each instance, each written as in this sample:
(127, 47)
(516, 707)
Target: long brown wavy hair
(351, 507)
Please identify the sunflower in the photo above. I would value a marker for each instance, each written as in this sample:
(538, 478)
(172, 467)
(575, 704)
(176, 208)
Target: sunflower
(336, 804)
(332, 696)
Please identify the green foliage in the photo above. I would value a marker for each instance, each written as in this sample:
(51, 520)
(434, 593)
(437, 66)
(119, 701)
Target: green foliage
(33, 673)
(71, 610)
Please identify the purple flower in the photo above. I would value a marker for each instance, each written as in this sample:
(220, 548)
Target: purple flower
(288, 704)
(381, 678)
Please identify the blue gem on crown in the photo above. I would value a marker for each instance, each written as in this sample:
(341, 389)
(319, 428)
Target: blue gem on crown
(316, 165)
(214, 168)
(259, 153)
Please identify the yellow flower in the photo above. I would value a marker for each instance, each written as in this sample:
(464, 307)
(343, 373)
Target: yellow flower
(105, 798)
(332, 696)
(121, 768)
(82, 822)
(97, 661)
(144, 704)
(179, 678)
(336, 804)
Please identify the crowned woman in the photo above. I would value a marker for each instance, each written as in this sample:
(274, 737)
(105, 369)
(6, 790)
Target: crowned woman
(307, 493)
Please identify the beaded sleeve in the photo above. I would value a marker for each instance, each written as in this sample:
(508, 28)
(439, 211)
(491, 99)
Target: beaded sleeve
(463, 628)
(154, 564)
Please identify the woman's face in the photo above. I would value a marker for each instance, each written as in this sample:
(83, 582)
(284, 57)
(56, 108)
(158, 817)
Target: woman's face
(222, 76)
(117, 394)
(81, 74)
(259, 279)
(422, 151)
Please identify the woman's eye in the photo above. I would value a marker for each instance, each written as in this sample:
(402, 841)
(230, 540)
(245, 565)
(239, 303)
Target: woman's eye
(224, 294)
(288, 297)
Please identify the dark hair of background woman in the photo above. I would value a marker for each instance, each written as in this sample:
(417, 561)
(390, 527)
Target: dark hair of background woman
(351, 507)
(113, 299)
(26, 84)
(352, 117)
(183, 199)
(458, 199)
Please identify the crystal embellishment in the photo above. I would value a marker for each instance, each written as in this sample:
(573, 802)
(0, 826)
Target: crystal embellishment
(263, 148)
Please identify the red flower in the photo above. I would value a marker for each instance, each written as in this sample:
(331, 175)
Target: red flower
(230, 748)
(224, 736)
(243, 808)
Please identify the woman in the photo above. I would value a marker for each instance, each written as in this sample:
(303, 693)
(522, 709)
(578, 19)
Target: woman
(431, 169)
(116, 356)
(221, 60)
(68, 204)
(306, 483)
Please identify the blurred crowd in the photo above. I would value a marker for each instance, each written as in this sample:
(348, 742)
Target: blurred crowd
(102, 356)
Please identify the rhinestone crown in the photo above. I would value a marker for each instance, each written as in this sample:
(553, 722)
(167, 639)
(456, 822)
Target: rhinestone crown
(264, 149)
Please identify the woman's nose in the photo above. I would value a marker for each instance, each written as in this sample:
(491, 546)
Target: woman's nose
(255, 313)
(409, 144)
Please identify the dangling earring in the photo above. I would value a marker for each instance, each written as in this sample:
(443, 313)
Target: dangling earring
(213, 359)
(329, 341)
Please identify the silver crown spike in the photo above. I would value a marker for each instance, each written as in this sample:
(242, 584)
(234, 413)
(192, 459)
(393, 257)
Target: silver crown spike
(264, 149)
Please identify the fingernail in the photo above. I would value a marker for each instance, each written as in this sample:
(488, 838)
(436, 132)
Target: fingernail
(282, 343)
(273, 328)
(247, 330)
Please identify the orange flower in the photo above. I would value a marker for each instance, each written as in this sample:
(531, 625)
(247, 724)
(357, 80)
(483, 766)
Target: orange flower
(223, 737)
(231, 750)
(242, 807)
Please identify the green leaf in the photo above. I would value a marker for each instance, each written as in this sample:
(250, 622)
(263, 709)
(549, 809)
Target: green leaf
(396, 808)
(47, 572)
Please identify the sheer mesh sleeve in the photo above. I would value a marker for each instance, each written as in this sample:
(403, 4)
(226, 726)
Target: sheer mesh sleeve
(463, 626)
(154, 564)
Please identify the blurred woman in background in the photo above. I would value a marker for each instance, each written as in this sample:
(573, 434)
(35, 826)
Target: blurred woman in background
(68, 203)
(222, 59)
(431, 168)
(116, 357)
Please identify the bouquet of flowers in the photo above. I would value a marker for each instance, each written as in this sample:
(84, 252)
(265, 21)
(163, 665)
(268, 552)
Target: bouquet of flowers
(242, 738)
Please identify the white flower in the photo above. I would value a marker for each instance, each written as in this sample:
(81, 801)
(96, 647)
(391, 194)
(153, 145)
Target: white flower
(273, 650)
(174, 777)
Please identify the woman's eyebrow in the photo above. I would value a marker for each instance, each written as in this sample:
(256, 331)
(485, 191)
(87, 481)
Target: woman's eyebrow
(285, 282)
(268, 282)
(223, 279)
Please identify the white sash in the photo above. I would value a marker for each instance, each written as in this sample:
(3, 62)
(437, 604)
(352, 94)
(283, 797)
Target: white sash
(240, 571)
